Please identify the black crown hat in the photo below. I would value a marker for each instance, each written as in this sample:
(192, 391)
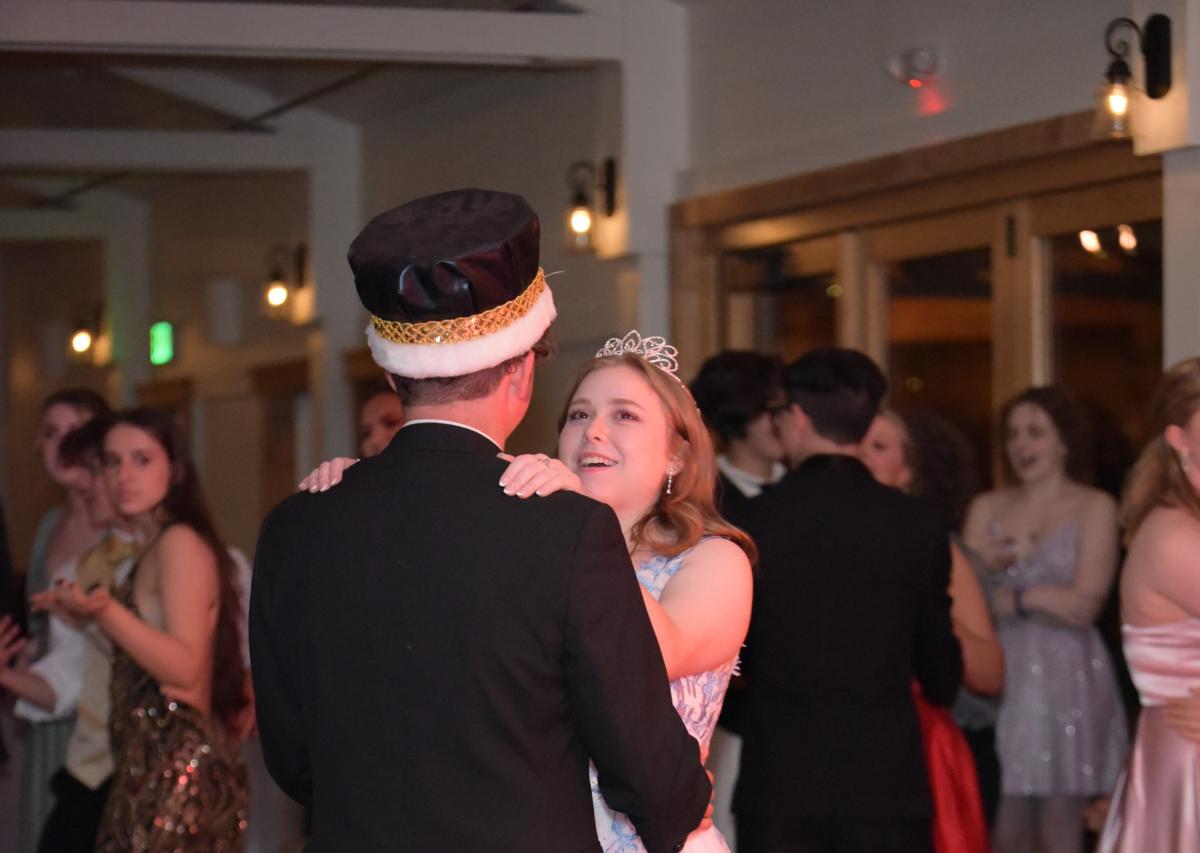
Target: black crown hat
(452, 283)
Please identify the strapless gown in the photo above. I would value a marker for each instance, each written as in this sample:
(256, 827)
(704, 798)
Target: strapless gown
(698, 700)
(1156, 806)
(1061, 726)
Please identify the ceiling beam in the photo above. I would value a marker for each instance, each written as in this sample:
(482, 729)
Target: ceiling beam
(147, 151)
(302, 31)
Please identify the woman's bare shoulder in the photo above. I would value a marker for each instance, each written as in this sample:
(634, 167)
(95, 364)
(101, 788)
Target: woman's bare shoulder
(718, 550)
(1168, 533)
(180, 544)
(1093, 500)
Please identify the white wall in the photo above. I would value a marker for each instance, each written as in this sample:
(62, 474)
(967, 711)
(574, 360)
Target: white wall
(221, 226)
(780, 87)
(517, 132)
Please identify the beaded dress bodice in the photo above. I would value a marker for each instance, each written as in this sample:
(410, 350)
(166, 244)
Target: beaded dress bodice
(697, 698)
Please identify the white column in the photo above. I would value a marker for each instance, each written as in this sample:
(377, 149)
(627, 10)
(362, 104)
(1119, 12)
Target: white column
(1171, 126)
(334, 217)
(121, 223)
(654, 99)
(1181, 254)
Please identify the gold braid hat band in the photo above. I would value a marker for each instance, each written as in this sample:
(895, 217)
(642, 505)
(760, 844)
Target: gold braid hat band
(462, 328)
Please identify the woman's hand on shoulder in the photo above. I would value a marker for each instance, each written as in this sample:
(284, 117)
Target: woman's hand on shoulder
(537, 474)
(326, 474)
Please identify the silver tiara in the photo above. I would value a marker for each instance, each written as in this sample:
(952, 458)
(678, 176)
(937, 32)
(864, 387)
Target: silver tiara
(655, 350)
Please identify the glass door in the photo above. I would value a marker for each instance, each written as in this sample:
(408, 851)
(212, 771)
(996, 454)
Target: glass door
(1104, 277)
(931, 320)
(781, 299)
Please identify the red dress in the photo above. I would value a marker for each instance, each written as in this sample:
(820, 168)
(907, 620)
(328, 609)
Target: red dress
(958, 824)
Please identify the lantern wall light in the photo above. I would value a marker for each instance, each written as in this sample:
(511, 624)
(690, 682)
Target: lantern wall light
(584, 186)
(1115, 96)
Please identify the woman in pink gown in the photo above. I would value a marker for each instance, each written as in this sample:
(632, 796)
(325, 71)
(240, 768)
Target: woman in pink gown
(1156, 806)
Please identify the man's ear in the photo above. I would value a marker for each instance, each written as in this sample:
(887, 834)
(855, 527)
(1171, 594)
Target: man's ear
(1174, 436)
(802, 420)
(521, 377)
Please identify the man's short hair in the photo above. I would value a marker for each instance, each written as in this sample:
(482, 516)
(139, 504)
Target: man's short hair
(734, 387)
(839, 390)
(83, 446)
(441, 390)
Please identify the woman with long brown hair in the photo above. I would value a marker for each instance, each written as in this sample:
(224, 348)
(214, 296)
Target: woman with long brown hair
(1157, 804)
(178, 675)
(1050, 542)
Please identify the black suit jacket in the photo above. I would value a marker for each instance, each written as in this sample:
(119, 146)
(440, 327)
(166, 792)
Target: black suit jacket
(434, 662)
(849, 605)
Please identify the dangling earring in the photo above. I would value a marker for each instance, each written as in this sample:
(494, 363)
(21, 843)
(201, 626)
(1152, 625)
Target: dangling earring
(670, 478)
(1185, 462)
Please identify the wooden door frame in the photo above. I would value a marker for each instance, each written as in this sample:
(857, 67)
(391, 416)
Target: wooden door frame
(1022, 172)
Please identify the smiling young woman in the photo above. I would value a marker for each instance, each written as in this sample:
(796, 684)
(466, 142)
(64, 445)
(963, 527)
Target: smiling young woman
(1050, 541)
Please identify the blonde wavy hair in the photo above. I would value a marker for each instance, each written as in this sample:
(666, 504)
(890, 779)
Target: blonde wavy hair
(1158, 478)
(679, 520)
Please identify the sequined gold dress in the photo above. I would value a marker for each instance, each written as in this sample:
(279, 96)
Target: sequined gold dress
(180, 784)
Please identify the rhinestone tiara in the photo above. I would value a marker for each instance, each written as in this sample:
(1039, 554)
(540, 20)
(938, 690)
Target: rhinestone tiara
(653, 349)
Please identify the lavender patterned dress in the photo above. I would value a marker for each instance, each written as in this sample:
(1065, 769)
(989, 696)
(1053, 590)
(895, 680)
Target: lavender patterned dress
(698, 700)
(1061, 728)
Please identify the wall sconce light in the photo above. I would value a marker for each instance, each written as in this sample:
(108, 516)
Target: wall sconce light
(582, 182)
(85, 332)
(1114, 97)
(285, 276)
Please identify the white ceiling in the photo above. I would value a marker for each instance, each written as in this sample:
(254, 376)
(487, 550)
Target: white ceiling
(71, 91)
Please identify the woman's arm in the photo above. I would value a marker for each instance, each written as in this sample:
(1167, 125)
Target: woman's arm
(27, 685)
(179, 656)
(983, 657)
(1173, 565)
(1078, 603)
(701, 619)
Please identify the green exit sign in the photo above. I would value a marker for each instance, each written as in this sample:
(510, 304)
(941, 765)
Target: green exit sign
(162, 343)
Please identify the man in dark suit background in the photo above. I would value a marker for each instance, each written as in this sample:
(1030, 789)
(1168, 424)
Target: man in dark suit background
(435, 662)
(849, 605)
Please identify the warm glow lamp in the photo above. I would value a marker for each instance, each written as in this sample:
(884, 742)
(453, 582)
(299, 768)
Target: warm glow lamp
(281, 282)
(277, 293)
(81, 341)
(1115, 95)
(582, 182)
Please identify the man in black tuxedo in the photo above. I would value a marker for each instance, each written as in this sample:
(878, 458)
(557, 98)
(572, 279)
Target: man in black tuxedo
(435, 662)
(849, 606)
